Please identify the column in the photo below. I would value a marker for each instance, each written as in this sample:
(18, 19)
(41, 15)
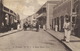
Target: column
(47, 21)
(59, 23)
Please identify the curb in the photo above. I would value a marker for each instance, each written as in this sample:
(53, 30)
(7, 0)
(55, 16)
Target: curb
(59, 40)
(8, 33)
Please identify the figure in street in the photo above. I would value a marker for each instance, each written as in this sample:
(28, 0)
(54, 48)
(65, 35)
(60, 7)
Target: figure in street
(25, 26)
(56, 28)
(37, 26)
(67, 29)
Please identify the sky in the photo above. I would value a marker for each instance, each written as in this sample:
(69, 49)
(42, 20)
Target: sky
(24, 7)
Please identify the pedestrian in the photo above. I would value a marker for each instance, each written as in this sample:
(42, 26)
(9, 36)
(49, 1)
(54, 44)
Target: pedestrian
(44, 27)
(67, 29)
(18, 26)
(25, 25)
(56, 28)
(37, 26)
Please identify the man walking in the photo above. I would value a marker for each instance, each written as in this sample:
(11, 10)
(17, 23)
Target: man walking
(67, 29)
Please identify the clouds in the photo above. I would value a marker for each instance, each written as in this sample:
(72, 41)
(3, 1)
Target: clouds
(24, 7)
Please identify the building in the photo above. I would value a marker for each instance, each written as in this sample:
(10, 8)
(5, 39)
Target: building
(59, 13)
(46, 13)
(32, 18)
(55, 12)
(8, 18)
(50, 7)
(70, 8)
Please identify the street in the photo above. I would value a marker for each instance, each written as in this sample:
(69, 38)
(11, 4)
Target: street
(30, 41)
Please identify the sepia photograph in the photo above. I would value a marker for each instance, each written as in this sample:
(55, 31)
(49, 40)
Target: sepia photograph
(39, 25)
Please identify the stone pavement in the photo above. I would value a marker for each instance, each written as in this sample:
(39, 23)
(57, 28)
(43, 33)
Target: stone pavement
(74, 43)
(9, 32)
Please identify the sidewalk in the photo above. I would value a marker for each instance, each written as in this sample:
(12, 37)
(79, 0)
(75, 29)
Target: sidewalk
(9, 32)
(74, 43)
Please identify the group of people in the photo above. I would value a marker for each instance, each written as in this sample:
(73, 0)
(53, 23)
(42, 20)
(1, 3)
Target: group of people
(31, 26)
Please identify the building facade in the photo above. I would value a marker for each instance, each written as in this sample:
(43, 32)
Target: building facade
(59, 13)
(8, 18)
(70, 8)
(56, 12)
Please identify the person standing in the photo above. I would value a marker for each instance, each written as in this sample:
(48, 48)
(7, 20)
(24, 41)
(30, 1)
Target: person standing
(44, 27)
(56, 28)
(18, 25)
(37, 26)
(67, 29)
(25, 25)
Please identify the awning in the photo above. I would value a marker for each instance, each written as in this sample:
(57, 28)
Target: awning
(43, 14)
(39, 16)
